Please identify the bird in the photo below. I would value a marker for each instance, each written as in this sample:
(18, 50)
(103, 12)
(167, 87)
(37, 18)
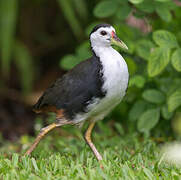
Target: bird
(90, 90)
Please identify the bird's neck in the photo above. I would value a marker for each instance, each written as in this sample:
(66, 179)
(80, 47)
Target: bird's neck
(101, 50)
(114, 70)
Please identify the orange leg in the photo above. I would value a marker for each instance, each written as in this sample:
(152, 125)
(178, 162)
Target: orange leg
(90, 143)
(42, 133)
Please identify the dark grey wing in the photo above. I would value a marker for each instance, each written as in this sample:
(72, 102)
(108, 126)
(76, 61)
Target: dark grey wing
(72, 92)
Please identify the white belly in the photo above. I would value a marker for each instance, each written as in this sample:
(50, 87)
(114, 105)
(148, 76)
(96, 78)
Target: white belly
(115, 75)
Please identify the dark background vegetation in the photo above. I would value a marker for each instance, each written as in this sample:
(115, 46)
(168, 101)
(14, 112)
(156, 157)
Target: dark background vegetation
(41, 39)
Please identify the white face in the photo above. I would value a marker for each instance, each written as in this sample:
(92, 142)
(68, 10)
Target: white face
(102, 37)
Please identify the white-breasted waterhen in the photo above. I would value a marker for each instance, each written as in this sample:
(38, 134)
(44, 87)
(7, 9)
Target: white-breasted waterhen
(90, 90)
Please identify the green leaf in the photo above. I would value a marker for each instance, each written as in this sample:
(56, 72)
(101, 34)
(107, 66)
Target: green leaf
(164, 13)
(105, 8)
(153, 96)
(83, 51)
(143, 48)
(68, 62)
(137, 109)
(162, 0)
(137, 80)
(158, 60)
(8, 16)
(130, 45)
(119, 128)
(165, 38)
(148, 120)
(136, 1)
(147, 6)
(177, 13)
(171, 5)
(176, 60)
(131, 65)
(174, 101)
(123, 12)
(139, 14)
(126, 32)
(165, 113)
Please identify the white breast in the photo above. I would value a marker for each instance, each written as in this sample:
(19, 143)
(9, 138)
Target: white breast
(115, 75)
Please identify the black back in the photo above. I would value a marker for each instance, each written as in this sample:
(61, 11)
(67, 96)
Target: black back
(75, 89)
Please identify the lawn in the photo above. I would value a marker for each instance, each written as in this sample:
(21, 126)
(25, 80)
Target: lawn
(64, 155)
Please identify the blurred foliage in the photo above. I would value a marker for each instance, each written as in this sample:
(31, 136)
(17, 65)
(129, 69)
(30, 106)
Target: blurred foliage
(154, 59)
(151, 30)
(8, 14)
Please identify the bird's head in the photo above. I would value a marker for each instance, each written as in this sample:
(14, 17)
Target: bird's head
(104, 35)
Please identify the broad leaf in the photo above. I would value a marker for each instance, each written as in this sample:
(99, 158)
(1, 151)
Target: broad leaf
(123, 12)
(137, 80)
(137, 109)
(131, 65)
(164, 13)
(143, 48)
(68, 62)
(162, 0)
(83, 51)
(158, 60)
(165, 113)
(176, 60)
(165, 38)
(136, 1)
(119, 128)
(105, 8)
(148, 120)
(147, 6)
(169, 4)
(174, 101)
(130, 45)
(153, 96)
(139, 14)
(126, 33)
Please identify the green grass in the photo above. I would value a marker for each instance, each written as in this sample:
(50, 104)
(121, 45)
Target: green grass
(64, 155)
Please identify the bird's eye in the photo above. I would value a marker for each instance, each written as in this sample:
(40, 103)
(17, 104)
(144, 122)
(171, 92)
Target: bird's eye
(103, 33)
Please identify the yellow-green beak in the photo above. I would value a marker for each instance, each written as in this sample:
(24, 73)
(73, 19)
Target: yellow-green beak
(116, 41)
